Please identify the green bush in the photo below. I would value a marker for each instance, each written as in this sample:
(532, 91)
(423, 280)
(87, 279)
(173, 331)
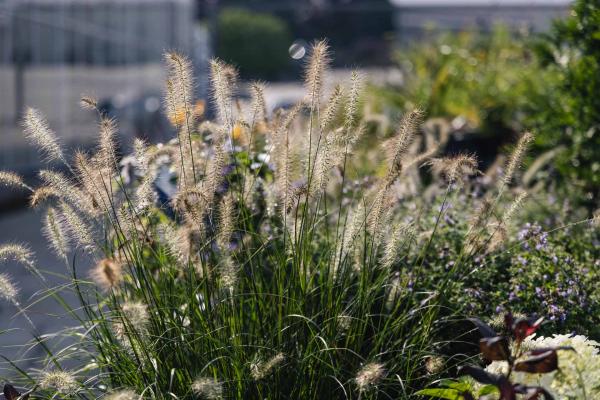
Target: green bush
(489, 80)
(572, 118)
(255, 43)
(502, 83)
(548, 268)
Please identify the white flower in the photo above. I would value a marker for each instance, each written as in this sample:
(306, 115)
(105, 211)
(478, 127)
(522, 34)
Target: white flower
(578, 374)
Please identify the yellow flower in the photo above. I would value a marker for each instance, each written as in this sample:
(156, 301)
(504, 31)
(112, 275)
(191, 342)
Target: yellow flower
(199, 108)
(237, 131)
(177, 118)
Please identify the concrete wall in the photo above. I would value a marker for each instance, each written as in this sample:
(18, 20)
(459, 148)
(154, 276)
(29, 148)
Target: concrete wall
(53, 51)
(56, 92)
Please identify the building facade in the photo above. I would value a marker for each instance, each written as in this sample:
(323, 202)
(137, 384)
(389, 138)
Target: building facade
(53, 51)
(413, 17)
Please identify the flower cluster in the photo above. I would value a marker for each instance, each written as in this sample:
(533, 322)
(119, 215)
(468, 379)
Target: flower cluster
(579, 373)
(532, 234)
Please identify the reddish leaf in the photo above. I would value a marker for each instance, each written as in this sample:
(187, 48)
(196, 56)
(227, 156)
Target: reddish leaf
(484, 329)
(480, 375)
(507, 391)
(533, 392)
(524, 327)
(467, 396)
(10, 393)
(539, 364)
(508, 321)
(494, 348)
(541, 350)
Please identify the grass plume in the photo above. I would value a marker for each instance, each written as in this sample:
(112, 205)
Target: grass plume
(37, 130)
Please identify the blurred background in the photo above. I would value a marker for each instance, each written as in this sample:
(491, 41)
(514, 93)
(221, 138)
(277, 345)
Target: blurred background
(482, 70)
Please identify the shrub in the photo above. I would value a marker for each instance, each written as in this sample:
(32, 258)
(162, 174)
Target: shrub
(488, 80)
(256, 43)
(561, 366)
(572, 118)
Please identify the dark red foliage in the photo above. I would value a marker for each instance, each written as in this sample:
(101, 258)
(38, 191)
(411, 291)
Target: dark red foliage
(523, 327)
(495, 348)
(540, 363)
(10, 393)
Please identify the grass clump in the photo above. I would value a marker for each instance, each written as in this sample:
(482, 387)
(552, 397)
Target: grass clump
(243, 260)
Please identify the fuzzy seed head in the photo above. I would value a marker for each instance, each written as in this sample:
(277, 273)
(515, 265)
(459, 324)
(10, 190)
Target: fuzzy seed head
(78, 229)
(10, 179)
(192, 204)
(228, 272)
(41, 194)
(400, 143)
(137, 314)
(222, 79)
(516, 158)
(207, 388)
(323, 164)
(179, 88)
(125, 394)
(215, 172)
(19, 253)
(89, 103)
(62, 381)
(344, 322)
(179, 242)
(401, 235)
(499, 237)
(37, 130)
(351, 112)
(140, 150)
(8, 291)
(514, 207)
(107, 150)
(369, 376)
(227, 218)
(56, 232)
(16, 252)
(57, 184)
(455, 168)
(394, 290)
(262, 369)
(259, 105)
(108, 273)
(434, 364)
(317, 65)
(331, 107)
(134, 317)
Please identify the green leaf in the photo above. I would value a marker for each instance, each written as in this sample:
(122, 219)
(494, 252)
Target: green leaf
(449, 394)
(461, 386)
(487, 389)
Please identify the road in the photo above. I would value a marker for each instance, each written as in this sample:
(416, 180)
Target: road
(24, 226)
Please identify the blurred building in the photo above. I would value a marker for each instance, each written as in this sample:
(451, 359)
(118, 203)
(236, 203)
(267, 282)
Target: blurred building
(52, 51)
(413, 17)
(359, 32)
